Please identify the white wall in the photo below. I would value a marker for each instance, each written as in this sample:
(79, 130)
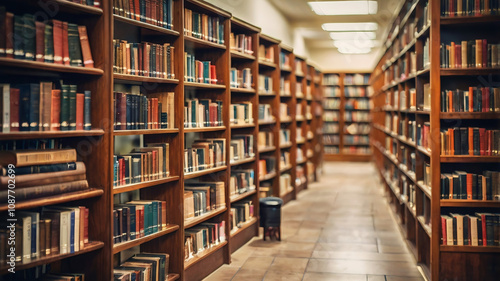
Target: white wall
(330, 59)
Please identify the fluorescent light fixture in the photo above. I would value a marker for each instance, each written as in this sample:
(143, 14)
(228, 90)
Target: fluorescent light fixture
(328, 8)
(352, 35)
(350, 26)
(354, 51)
(362, 43)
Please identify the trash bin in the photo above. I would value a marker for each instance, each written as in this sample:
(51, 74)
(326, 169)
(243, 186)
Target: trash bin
(270, 216)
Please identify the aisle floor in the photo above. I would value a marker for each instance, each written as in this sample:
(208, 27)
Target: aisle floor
(339, 229)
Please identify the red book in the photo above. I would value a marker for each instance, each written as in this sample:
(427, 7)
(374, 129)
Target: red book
(14, 110)
(153, 13)
(85, 46)
(477, 10)
(213, 74)
(40, 41)
(155, 113)
(58, 41)
(482, 141)
(86, 228)
(146, 51)
(79, 110)
(483, 226)
(140, 59)
(486, 104)
(141, 221)
(471, 141)
(469, 186)
(55, 113)
(488, 137)
(160, 15)
(148, 11)
(443, 231)
(136, 10)
(9, 32)
(452, 9)
(450, 102)
(471, 99)
(485, 53)
(65, 47)
(121, 165)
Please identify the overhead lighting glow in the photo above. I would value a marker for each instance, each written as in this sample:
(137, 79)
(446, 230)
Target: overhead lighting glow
(350, 26)
(327, 8)
(361, 43)
(354, 51)
(352, 35)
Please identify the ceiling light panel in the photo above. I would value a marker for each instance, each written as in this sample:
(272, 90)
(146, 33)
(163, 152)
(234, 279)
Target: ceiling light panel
(327, 8)
(352, 35)
(350, 26)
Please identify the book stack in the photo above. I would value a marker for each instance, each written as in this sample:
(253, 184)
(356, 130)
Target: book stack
(353, 92)
(284, 112)
(285, 159)
(356, 79)
(425, 56)
(331, 128)
(285, 184)
(241, 43)
(357, 140)
(453, 8)
(265, 84)
(135, 111)
(331, 80)
(285, 87)
(332, 149)
(139, 218)
(285, 60)
(142, 164)
(158, 12)
(143, 265)
(51, 41)
(285, 137)
(205, 154)
(300, 155)
(426, 171)
(197, 71)
(298, 90)
(331, 139)
(200, 113)
(144, 59)
(41, 107)
(240, 213)
(479, 229)
(470, 141)
(241, 78)
(356, 116)
(331, 116)
(265, 139)
(299, 66)
(409, 193)
(266, 53)
(476, 99)
(241, 147)
(203, 237)
(331, 92)
(241, 181)
(241, 113)
(203, 197)
(299, 114)
(471, 186)
(41, 173)
(203, 26)
(267, 165)
(468, 54)
(356, 150)
(355, 129)
(265, 113)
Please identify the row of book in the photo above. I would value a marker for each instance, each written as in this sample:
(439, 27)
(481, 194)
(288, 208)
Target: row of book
(331, 79)
(241, 147)
(135, 111)
(143, 266)
(409, 192)
(357, 104)
(285, 184)
(266, 53)
(265, 84)
(142, 164)
(205, 154)
(41, 173)
(285, 136)
(285, 89)
(144, 59)
(156, 12)
(203, 197)
(240, 213)
(331, 139)
(138, 218)
(199, 71)
(240, 78)
(267, 165)
(356, 150)
(285, 111)
(200, 113)
(285, 159)
(470, 186)
(53, 231)
(354, 129)
(241, 181)
(331, 104)
(331, 116)
(201, 238)
(350, 116)
(331, 92)
(470, 141)
(479, 229)
(356, 140)
(329, 128)
(241, 113)
(285, 60)
(241, 43)
(455, 8)
(401, 98)
(203, 26)
(265, 139)
(355, 92)
(265, 112)
(331, 150)
(483, 99)
(53, 41)
(40, 107)
(472, 53)
(425, 54)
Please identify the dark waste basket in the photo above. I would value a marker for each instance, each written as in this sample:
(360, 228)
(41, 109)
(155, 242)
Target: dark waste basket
(270, 216)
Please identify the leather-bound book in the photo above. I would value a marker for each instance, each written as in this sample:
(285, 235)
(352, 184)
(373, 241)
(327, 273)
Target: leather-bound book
(64, 108)
(40, 41)
(75, 51)
(18, 37)
(85, 47)
(29, 34)
(72, 107)
(14, 109)
(87, 118)
(65, 47)
(3, 31)
(80, 100)
(23, 158)
(49, 44)
(55, 113)
(9, 35)
(45, 105)
(57, 33)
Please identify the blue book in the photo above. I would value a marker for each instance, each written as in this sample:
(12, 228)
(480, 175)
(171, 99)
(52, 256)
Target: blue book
(72, 233)
(206, 72)
(87, 118)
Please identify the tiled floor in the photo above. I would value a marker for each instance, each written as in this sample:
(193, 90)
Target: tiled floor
(339, 229)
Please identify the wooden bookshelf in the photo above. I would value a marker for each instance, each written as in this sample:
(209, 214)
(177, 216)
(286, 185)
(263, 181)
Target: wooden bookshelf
(394, 146)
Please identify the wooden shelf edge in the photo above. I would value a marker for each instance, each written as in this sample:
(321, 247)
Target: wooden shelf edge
(242, 196)
(136, 242)
(199, 219)
(17, 63)
(469, 159)
(196, 174)
(137, 78)
(173, 276)
(268, 176)
(145, 132)
(426, 227)
(203, 85)
(469, 203)
(243, 161)
(204, 129)
(50, 134)
(204, 254)
(202, 42)
(240, 55)
(149, 26)
(266, 149)
(244, 226)
(469, 249)
(141, 185)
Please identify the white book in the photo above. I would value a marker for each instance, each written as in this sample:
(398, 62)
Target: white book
(5, 107)
(449, 231)
(473, 231)
(26, 221)
(35, 232)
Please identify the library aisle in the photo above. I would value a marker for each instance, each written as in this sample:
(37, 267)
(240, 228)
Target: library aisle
(346, 233)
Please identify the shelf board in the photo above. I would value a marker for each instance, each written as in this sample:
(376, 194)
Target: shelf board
(241, 126)
(425, 189)
(424, 150)
(242, 161)
(300, 141)
(285, 68)
(286, 145)
(204, 129)
(53, 67)
(244, 226)
(204, 254)
(466, 20)
(424, 71)
(267, 64)
(469, 159)
(469, 71)
(203, 85)
(146, 25)
(65, 6)
(55, 199)
(267, 122)
(301, 162)
(263, 94)
(172, 276)
(190, 41)
(267, 177)
(144, 79)
(141, 185)
(196, 174)
(469, 115)
(199, 219)
(145, 132)
(49, 134)
(358, 109)
(425, 226)
(238, 197)
(470, 249)
(136, 242)
(299, 118)
(286, 168)
(243, 90)
(239, 55)
(91, 246)
(356, 144)
(266, 149)
(286, 95)
(299, 75)
(470, 203)
(288, 119)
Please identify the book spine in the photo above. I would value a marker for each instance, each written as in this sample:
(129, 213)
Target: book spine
(87, 118)
(72, 107)
(80, 98)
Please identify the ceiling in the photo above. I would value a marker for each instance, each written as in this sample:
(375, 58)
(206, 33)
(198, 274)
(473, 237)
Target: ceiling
(308, 23)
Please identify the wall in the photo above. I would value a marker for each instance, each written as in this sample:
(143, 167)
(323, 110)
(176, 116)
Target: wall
(330, 59)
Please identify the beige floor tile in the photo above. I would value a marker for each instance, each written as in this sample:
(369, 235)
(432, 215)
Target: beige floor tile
(376, 278)
(346, 247)
(400, 278)
(224, 273)
(258, 263)
(314, 276)
(361, 256)
(272, 275)
(297, 265)
(249, 275)
(363, 267)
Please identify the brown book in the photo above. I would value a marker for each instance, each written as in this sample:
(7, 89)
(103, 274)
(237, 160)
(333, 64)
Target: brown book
(22, 158)
(55, 110)
(188, 204)
(30, 180)
(55, 222)
(46, 190)
(40, 41)
(48, 246)
(45, 105)
(14, 109)
(84, 41)
(65, 43)
(58, 41)
(479, 53)
(42, 233)
(9, 33)
(80, 98)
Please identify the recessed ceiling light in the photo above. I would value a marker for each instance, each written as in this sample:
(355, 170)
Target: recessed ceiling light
(352, 35)
(350, 26)
(344, 7)
(361, 43)
(354, 51)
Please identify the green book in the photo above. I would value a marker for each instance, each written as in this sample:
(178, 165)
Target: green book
(72, 107)
(49, 44)
(65, 108)
(75, 51)
(29, 34)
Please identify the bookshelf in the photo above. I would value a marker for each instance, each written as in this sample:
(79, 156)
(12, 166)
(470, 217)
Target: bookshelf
(408, 82)
(311, 125)
(346, 121)
(317, 123)
(302, 91)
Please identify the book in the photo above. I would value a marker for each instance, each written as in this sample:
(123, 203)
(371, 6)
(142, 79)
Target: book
(23, 158)
(203, 26)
